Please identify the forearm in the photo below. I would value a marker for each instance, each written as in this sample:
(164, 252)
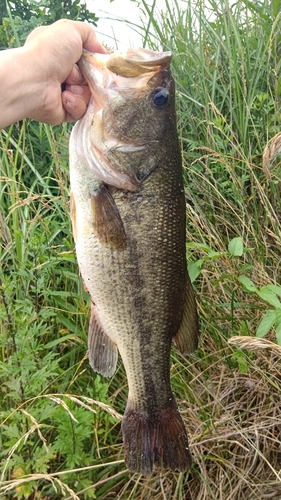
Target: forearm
(18, 86)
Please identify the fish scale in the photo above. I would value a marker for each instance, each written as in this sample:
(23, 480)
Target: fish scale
(128, 216)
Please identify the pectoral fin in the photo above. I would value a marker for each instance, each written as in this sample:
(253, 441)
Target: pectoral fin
(106, 219)
(186, 338)
(103, 353)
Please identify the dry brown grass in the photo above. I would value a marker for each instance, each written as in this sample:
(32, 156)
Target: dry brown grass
(233, 420)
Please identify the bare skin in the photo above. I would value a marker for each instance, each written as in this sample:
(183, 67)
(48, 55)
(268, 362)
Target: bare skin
(31, 76)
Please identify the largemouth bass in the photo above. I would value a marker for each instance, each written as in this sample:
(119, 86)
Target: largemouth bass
(128, 216)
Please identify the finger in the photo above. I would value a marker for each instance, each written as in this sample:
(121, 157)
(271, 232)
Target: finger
(81, 91)
(75, 77)
(75, 105)
(89, 37)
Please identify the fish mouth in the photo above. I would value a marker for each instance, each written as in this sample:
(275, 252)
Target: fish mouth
(101, 71)
(130, 63)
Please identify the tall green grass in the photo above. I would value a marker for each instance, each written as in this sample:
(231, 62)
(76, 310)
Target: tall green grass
(60, 423)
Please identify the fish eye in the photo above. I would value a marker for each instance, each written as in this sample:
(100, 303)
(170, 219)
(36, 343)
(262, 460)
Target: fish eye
(160, 97)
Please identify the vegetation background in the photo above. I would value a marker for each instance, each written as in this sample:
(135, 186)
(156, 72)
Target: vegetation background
(60, 422)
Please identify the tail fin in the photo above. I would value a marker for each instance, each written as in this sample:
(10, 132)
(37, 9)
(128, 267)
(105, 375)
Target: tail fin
(158, 440)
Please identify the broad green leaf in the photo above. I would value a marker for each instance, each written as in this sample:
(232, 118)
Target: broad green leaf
(248, 284)
(274, 288)
(193, 270)
(266, 323)
(215, 255)
(269, 296)
(199, 246)
(278, 317)
(278, 334)
(278, 326)
(236, 247)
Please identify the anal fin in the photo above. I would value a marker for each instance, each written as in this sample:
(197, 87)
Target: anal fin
(187, 336)
(103, 353)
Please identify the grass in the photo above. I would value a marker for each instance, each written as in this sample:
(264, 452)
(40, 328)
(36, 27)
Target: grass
(60, 423)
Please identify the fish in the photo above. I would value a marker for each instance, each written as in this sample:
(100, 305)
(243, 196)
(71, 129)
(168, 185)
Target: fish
(128, 212)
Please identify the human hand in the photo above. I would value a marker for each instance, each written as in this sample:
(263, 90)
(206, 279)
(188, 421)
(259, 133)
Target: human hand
(53, 51)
